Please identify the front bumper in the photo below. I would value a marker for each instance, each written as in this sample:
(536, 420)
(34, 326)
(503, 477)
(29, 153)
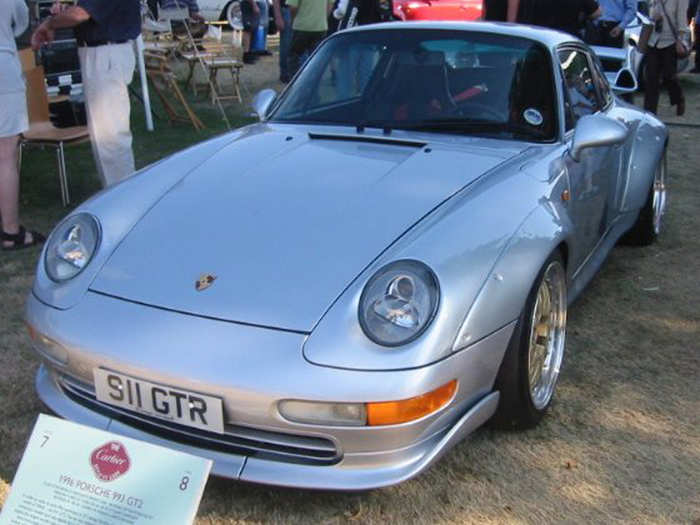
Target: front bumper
(251, 369)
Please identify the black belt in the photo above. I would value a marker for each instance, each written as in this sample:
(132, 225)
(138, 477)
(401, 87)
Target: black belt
(96, 43)
(608, 23)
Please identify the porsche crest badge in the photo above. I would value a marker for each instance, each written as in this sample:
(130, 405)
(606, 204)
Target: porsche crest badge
(204, 281)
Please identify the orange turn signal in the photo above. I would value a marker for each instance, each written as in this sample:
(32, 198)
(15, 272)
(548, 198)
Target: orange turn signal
(31, 330)
(395, 412)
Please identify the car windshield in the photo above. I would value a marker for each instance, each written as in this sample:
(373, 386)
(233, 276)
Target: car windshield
(428, 80)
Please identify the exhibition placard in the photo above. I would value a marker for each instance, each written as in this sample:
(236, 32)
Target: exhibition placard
(78, 475)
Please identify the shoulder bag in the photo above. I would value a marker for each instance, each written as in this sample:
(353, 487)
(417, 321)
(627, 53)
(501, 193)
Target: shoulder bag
(682, 50)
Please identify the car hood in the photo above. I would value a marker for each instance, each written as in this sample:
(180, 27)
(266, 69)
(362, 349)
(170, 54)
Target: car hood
(283, 221)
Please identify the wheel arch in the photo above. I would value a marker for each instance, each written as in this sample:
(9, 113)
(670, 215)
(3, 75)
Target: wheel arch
(510, 281)
(223, 17)
(648, 149)
(563, 248)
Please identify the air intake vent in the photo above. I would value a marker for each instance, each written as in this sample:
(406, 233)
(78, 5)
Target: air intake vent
(276, 446)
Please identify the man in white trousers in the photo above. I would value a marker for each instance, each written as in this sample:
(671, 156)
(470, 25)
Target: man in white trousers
(104, 30)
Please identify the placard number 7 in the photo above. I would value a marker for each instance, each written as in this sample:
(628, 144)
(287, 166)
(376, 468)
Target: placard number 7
(46, 438)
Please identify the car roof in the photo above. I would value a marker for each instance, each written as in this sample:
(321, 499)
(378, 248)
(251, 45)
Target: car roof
(548, 37)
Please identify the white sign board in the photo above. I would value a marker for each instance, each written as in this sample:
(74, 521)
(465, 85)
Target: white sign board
(77, 475)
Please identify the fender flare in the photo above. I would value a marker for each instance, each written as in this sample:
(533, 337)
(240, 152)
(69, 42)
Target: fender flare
(508, 284)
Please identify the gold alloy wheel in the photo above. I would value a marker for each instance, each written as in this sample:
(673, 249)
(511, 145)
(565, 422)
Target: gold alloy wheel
(659, 197)
(547, 335)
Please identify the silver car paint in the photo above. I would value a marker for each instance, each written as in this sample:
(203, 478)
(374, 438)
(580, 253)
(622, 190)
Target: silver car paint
(486, 244)
(141, 191)
(252, 368)
(313, 211)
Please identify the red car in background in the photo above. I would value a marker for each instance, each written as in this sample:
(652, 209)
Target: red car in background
(438, 9)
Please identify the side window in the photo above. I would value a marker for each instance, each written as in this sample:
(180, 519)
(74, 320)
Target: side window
(606, 94)
(581, 98)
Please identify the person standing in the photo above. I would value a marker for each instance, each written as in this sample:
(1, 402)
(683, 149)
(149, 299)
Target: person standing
(564, 15)
(696, 39)
(250, 13)
(104, 30)
(310, 23)
(495, 10)
(351, 13)
(670, 26)
(283, 20)
(13, 121)
(609, 29)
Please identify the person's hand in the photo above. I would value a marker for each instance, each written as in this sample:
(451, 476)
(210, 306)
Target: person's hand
(279, 22)
(615, 32)
(256, 9)
(196, 17)
(42, 35)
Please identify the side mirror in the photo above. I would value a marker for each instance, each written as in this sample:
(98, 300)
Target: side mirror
(594, 131)
(262, 101)
(625, 82)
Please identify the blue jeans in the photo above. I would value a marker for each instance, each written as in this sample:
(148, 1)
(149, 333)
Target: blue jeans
(285, 43)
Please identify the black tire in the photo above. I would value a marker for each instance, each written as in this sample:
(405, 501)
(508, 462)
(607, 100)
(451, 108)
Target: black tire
(226, 16)
(516, 408)
(646, 229)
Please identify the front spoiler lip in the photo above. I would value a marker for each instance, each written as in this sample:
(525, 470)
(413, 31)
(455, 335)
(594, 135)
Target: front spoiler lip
(397, 466)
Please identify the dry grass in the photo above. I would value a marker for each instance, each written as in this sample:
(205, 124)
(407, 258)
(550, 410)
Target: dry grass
(622, 442)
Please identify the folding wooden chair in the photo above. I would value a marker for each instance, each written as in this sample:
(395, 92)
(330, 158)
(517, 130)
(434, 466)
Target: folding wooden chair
(214, 56)
(163, 80)
(223, 56)
(191, 53)
(43, 133)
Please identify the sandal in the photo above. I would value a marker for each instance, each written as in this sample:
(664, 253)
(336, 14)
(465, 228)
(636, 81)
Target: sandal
(18, 239)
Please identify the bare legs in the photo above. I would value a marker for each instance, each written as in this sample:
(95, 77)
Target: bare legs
(9, 184)
(9, 188)
(513, 6)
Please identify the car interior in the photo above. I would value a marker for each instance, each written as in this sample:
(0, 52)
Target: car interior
(441, 84)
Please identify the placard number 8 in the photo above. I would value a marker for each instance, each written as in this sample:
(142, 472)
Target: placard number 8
(183, 482)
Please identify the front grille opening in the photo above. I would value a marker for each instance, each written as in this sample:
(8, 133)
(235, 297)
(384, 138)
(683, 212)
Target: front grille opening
(263, 444)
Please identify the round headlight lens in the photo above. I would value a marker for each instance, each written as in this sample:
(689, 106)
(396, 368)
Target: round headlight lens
(72, 246)
(398, 303)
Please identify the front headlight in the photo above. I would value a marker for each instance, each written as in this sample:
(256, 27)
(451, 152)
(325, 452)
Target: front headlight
(398, 303)
(72, 246)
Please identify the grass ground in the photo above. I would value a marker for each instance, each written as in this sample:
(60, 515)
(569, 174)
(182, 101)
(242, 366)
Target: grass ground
(622, 441)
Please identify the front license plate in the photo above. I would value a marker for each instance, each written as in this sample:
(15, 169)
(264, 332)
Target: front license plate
(164, 402)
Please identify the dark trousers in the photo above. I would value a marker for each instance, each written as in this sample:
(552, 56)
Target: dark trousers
(303, 43)
(495, 10)
(696, 34)
(661, 69)
(285, 44)
(599, 34)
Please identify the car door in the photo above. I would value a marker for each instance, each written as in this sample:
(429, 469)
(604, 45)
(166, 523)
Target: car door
(618, 179)
(592, 179)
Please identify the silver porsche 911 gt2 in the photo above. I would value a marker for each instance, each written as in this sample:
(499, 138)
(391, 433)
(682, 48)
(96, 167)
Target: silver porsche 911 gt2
(335, 296)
